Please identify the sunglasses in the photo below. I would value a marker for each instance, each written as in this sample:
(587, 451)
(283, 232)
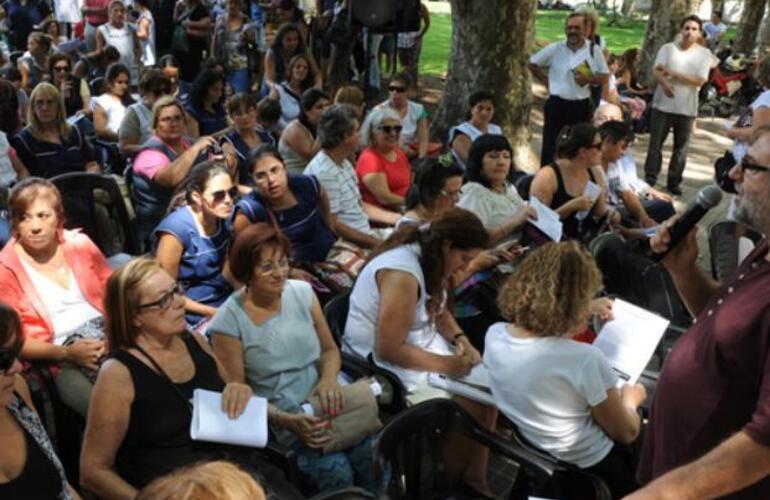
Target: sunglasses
(396, 88)
(391, 129)
(61, 69)
(165, 300)
(749, 165)
(219, 196)
(9, 355)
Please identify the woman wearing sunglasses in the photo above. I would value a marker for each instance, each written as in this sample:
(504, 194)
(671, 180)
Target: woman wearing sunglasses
(194, 237)
(74, 90)
(383, 169)
(29, 467)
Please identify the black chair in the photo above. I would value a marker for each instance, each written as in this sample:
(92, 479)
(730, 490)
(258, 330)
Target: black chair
(724, 237)
(410, 449)
(522, 185)
(393, 398)
(351, 493)
(98, 86)
(94, 203)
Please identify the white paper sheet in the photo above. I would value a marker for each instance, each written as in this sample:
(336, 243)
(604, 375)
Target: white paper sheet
(593, 191)
(548, 221)
(210, 423)
(629, 340)
(474, 386)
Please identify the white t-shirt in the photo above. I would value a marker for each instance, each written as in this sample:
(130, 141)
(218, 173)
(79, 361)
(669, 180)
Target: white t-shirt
(547, 387)
(695, 61)
(741, 147)
(361, 325)
(290, 105)
(415, 112)
(561, 60)
(147, 46)
(341, 185)
(493, 208)
(7, 173)
(627, 167)
(616, 183)
(113, 109)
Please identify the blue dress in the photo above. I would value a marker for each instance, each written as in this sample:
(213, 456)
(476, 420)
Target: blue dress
(311, 239)
(242, 151)
(208, 123)
(200, 268)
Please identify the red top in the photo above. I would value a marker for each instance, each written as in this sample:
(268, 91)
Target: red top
(89, 267)
(716, 380)
(96, 4)
(397, 172)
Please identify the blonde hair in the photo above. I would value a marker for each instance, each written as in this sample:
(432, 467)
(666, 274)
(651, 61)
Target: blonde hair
(163, 103)
(121, 300)
(550, 291)
(349, 94)
(221, 480)
(47, 90)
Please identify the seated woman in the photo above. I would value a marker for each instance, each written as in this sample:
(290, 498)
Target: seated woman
(34, 64)
(29, 467)
(296, 204)
(180, 89)
(192, 240)
(244, 137)
(480, 114)
(561, 394)
(563, 184)
(287, 43)
(48, 145)
(207, 115)
(289, 91)
(138, 427)
(110, 107)
(74, 90)
(54, 278)
(95, 64)
(298, 144)
(383, 170)
(163, 163)
(136, 127)
(272, 334)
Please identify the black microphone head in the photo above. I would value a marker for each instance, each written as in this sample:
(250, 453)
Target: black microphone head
(709, 196)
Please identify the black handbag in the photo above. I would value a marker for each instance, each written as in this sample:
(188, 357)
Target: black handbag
(722, 168)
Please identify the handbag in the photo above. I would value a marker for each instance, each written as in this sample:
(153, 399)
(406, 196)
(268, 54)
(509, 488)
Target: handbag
(179, 40)
(722, 167)
(358, 419)
(92, 329)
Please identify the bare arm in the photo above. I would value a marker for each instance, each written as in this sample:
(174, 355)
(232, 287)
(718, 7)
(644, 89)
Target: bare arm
(381, 215)
(296, 138)
(100, 125)
(353, 235)
(100, 41)
(331, 361)
(461, 144)
(106, 426)
(422, 138)
(172, 174)
(270, 68)
(760, 117)
(169, 254)
(617, 414)
(377, 184)
(733, 465)
(636, 209)
(143, 29)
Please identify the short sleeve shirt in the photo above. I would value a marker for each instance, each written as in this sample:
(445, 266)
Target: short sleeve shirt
(716, 380)
(149, 162)
(397, 173)
(695, 61)
(616, 184)
(562, 60)
(493, 208)
(47, 159)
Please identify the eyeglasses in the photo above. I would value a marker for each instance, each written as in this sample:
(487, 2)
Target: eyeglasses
(391, 129)
(454, 195)
(219, 196)
(9, 355)
(749, 165)
(269, 266)
(173, 118)
(396, 88)
(165, 300)
(61, 69)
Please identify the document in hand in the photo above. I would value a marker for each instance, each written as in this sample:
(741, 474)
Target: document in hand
(474, 386)
(593, 191)
(629, 340)
(548, 221)
(210, 423)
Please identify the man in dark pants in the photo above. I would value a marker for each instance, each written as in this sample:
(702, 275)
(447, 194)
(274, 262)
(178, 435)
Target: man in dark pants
(573, 66)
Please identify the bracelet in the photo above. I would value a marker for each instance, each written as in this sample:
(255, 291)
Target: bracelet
(457, 336)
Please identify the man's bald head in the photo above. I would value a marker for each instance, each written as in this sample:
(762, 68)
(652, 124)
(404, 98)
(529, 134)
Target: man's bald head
(607, 112)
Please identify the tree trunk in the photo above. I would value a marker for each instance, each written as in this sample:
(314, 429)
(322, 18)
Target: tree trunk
(748, 29)
(491, 44)
(628, 7)
(764, 36)
(662, 26)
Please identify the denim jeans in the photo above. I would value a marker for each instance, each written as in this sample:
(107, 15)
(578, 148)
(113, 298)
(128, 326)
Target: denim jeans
(660, 123)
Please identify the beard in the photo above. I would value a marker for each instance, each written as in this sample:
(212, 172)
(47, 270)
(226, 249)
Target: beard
(753, 213)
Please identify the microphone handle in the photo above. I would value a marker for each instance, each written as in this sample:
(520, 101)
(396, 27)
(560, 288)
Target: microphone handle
(679, 230)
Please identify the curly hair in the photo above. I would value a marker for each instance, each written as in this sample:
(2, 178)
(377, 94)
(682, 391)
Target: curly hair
(550, 291)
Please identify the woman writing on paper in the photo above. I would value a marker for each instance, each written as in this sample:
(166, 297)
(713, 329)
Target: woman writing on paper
(138, 425)
(273, 335)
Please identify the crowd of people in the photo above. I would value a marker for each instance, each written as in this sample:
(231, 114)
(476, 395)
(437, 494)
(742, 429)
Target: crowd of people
(263, 185)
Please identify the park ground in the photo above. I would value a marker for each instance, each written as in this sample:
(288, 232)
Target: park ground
(707, 143)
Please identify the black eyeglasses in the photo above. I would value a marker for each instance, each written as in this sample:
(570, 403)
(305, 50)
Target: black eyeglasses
(219, 196)
(61, 69)
(749, 165)
(9, 355)
(396, 88)
(165, 300)
(391, 129)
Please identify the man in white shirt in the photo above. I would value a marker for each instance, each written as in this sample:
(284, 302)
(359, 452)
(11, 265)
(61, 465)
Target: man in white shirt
(573, 66)
(715, 29)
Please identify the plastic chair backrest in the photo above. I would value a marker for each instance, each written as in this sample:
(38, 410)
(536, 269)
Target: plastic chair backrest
(336, 313)
(724, 238)
(94, 203)
(523, 184)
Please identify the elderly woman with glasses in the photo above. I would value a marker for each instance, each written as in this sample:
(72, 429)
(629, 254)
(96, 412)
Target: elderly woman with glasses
(194, 237)
(383, 169)
(74, 90)
(48, 145)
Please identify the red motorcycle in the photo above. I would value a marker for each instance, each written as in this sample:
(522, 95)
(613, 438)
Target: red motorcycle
(730, 87)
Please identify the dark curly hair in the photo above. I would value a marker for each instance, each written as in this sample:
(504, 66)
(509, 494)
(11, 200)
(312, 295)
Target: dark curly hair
(9, 108)
(201, 85)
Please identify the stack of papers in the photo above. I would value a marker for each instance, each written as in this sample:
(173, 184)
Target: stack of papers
(474, 386)
(548, 221)
(593, 191)
(210, 423)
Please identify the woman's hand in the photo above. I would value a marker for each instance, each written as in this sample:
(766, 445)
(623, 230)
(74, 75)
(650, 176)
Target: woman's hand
(464, 347)
(330, 393)
(313, 431)
(484, 260)
(235, 397)
(203, 143)
(458, 365)
(601, 307)
(85, 353)
(523, 213)
(581, 203)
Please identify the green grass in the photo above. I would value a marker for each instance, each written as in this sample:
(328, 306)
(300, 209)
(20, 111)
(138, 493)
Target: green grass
(549, 26)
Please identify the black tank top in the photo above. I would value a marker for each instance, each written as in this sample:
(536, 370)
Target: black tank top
(38, 479)
(158, 436)
(572, 228)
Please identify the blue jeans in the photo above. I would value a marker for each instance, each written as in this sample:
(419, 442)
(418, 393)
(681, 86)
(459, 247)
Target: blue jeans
(338, 470)
(238, 80)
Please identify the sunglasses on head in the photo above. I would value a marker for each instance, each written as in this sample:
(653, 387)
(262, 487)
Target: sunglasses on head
(219, 196)
(8, 355)
(396, 88)
(391, 129)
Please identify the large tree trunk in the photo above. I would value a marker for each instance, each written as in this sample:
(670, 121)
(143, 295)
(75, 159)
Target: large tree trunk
(491, 44)
(662, 26)
(748, 29)
(628, 7)
(764, 36)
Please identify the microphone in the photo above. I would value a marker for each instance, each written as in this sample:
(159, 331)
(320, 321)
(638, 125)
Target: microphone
(707, 198)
